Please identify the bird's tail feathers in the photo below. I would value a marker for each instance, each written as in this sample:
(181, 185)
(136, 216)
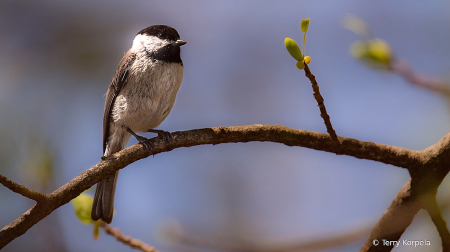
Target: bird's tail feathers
(103, 206)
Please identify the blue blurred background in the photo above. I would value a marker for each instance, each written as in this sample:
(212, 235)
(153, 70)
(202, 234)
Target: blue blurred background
(58, 57)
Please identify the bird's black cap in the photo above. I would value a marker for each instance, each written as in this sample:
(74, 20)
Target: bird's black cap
(161, 31)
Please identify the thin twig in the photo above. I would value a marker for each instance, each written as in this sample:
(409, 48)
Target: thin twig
(435, 213)
(321, 105)
(404, 69)
(22, 190)
(188, 238)
(134, 243)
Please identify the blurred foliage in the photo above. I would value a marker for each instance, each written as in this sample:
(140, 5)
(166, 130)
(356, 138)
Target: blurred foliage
(82, 206)
(6, 150)
(37, 166)
(373, 52)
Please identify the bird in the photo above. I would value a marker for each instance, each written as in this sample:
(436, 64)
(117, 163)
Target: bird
(140, 96)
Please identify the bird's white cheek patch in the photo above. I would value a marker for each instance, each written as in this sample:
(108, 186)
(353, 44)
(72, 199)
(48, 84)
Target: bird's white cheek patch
(147, 43)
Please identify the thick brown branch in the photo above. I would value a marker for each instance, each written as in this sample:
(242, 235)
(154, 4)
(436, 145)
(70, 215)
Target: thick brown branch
(394, 221)
(438, 154)
(22, 190)
(134, 243)
(321, 104)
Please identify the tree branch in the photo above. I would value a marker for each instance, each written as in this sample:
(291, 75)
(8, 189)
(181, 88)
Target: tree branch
(22, 190)
(404, 69)
(441, 225)
(434, 160)
(189, 238)
(394, 221)
(134, 243)
(414, 195)
(321, 104)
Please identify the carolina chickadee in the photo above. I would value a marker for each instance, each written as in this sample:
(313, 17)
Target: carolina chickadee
(139, 98)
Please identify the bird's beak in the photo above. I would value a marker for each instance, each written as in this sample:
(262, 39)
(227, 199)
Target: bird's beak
(179, 42)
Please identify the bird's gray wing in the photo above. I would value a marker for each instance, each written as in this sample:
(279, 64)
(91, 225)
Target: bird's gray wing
(117, 83)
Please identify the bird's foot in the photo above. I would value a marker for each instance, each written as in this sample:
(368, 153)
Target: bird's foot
(165, 135)
(142, 140)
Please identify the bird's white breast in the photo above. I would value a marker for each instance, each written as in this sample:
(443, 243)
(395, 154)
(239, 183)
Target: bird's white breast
(149, 95)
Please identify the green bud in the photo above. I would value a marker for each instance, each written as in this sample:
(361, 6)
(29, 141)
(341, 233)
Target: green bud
(293, 49)
(300, 64)
(82, 206)
(304, 25)
(96, 230)
(376, 53)
(307, 60)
